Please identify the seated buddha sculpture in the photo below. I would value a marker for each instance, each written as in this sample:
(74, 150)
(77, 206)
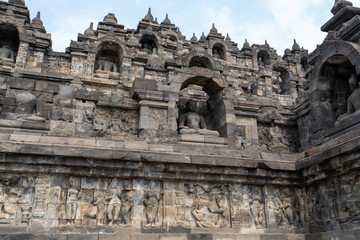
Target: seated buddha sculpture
(353, 102)
(192, 123)
(6, 53)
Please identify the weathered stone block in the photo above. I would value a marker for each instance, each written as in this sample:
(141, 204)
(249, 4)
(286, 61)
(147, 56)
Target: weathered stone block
(48, 87)
(83, 237)
(200, 237)
(25, 84)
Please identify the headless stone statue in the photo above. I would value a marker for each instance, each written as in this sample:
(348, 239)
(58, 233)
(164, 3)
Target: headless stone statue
(107, 66)
(353, 102)
(25, 108)
(6, 53)
(192, 123)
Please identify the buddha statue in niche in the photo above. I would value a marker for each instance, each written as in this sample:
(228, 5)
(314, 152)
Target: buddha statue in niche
(353, 102)
(192, 123)
(6, 53)
(106, 64)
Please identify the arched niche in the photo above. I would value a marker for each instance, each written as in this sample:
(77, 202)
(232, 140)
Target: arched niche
(284, 83)
(205, 87)
(333, 85)
(202, 62)
(171, 41)
(108, 58)
(218, 51)
(263, 58)
(149, 44)
(9, 43)
(304, 63)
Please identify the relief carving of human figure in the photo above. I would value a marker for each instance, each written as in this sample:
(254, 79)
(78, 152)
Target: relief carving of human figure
(287, 206)
(201, 211)
(257, 209)
(192, 123)
(126, 208)
(353, 102)
(114, 207)
(73, 195)
(277, 204)
(152, 204)
(221, 210)
(300, 208)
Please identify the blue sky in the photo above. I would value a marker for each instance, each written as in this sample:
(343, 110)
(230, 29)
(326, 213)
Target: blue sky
(277, 21)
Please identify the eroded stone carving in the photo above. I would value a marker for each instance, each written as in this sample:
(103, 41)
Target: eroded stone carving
(257, 208)
(210, 207)
(353, 102)
(6, 53)
(152, 204)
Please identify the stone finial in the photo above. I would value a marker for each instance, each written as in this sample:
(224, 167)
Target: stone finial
(246, 45)
(90, 31)
(110, 19)
(339, 4)
(228, 39)
(149, 17)
(18, 2)
(166, 20)
(266, 44)
(202, 38)
(193, 39)
(156, 21)
(296, 47)
(37, 23)
(213, 29)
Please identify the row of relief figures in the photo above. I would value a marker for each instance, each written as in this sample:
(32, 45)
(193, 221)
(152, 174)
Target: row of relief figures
(154, 204)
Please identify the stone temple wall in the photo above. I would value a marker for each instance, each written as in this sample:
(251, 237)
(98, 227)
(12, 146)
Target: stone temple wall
(143, 134)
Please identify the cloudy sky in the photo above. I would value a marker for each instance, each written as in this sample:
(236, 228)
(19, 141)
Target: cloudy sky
(277, 21)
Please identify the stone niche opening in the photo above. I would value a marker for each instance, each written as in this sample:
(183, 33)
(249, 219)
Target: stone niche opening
(171, 41)
(263, 58)
(304, 64)
(9, 43)
(284, 84)
(149, 44)
(108, 59)
(202, 62)
(218, 51)
(333, 90)
(210, 105)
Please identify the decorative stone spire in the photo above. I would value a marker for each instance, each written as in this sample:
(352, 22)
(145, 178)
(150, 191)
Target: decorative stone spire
(110, 19)
(213, 29)
(267, 44)
(18, 2)
(246, 45)
(202, 38)
(166, 20)
(149, 17)
(228, 39)
(37, 23)
(156, 21)
(193, 39)
(296, 47)
(339, 4)
(90, 31)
